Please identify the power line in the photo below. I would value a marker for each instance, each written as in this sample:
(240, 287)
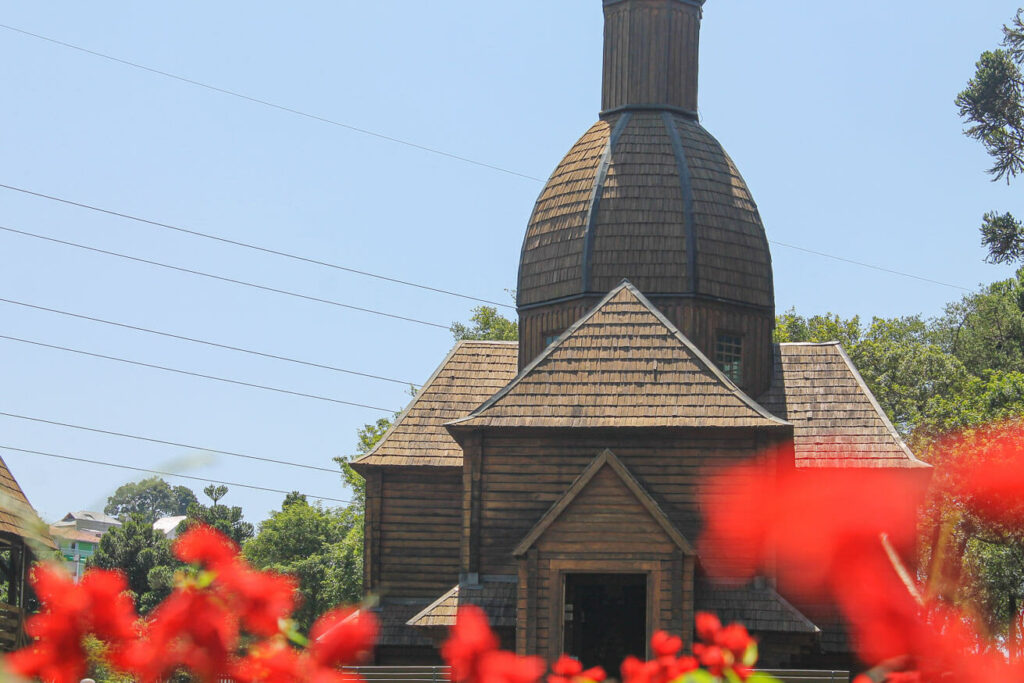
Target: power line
(166, 474)
(169, 443)
(274, 105)
(868, 265)
(247, 245)
(203, 341)
(196, 374)
(390, 139)
(221, 278)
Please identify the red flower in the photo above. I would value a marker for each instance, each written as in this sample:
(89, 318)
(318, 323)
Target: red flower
(708, 626)
(735, 639)
(276, 662)
(665, 645)
(664, 667)
(206, 546)
(473, 655)
(343, 637)
(98, 605)
(260, 598)
(569, 670)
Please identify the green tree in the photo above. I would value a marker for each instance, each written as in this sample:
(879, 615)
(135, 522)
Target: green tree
(227, 520)
(992, 107)
(152, 498)
(144, 555)
(321, 547)
(486, 324)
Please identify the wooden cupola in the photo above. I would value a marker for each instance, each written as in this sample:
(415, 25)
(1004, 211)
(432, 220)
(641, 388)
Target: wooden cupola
(648, 195)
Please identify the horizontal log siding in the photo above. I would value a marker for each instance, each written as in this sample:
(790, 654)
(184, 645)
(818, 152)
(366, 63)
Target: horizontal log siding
(524, 474)
(420, 524)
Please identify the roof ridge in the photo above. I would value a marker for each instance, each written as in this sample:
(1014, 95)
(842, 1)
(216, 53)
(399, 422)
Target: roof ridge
(698, 355)
(835, 342)
(494, 342)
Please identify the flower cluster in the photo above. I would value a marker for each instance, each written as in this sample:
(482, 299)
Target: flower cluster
(200, 627)
(472, 651)
(840, 536)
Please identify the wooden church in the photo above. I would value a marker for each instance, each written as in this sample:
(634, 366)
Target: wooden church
(552, 481)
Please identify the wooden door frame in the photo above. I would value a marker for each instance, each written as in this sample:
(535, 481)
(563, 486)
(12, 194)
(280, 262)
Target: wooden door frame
(653, 569)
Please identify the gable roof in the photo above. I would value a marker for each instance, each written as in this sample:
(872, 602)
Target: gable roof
(604, 459)
(471, 372)
(621, 365)
(837, 422)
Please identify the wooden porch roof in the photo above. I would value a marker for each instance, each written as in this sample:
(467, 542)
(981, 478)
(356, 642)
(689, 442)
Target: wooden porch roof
(624, 364)
(17, 516)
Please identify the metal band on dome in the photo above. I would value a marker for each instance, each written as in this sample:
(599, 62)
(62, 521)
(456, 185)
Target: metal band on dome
(687, 189)
(595, 197)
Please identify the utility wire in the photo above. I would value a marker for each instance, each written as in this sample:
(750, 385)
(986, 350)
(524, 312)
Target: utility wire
(166, 474)
(221, 278)
(195, 374)
(169, 443)
(273, 105)
(868, 265)
(382, 137)
(247, 245)
(203, 341)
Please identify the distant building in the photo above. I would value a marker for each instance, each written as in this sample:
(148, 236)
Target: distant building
(78, 535)
(168, 526)
(75, 546)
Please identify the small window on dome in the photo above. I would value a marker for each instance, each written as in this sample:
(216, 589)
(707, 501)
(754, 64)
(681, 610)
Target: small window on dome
(550, 337)
(729, 355)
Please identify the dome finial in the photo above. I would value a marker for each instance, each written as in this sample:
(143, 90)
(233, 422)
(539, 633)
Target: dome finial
(650, 54)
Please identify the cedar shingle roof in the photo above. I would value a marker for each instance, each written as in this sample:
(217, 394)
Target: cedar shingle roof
(496, 599)
(759, 608)
(652, 197)
(836, 420)
(16, 514)
(472, 372)
(621, 365)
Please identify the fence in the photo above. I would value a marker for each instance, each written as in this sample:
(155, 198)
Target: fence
(439, 674)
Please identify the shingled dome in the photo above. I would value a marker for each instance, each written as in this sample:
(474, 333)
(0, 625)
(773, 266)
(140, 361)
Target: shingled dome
(648, 195)
(653, 198)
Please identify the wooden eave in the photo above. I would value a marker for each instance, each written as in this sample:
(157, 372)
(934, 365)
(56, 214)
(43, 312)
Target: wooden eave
(756, 416)
(603, 459)
(378, 456)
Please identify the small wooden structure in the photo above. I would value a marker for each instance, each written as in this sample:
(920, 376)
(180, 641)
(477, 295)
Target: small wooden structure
(21, 536)
(553, 482)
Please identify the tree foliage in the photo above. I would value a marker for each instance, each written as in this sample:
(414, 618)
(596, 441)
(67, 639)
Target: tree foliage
(143, 554)
(992, 107)
(227, 520)
(486, 324)
(322, 547)
(151, 498)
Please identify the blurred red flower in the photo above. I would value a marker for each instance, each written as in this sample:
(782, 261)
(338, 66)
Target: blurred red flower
(343, 637)
(473, 655)
(98, 605)
(567, 669)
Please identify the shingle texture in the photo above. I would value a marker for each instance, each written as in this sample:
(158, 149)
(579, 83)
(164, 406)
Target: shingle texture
(659, 203)
(622, 365)
(497, 599)
(16, 514)
(393, 627)
(836, 421)
(759, 608)
(472, 372)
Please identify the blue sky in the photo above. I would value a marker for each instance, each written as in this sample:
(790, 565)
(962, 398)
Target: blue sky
(839, 115)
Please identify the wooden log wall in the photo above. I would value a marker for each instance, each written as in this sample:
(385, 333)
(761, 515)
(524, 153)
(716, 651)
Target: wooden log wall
(419, 530)
(700, 320)
(524, 472)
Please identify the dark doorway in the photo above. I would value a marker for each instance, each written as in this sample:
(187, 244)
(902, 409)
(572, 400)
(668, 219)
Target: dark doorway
(605, 618)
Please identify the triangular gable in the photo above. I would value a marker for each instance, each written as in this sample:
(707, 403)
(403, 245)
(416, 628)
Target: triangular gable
(471, 372)
(606, 459)
(624, 364)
